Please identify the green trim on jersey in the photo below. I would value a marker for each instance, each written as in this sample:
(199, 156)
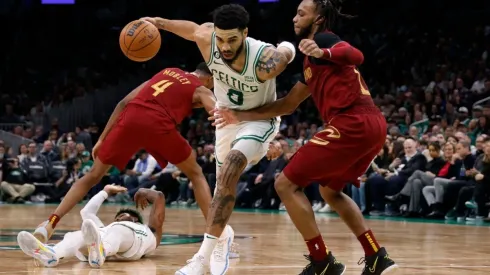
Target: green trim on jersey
(136, 231)
(261, 139)
(211, 55)
(259, 53)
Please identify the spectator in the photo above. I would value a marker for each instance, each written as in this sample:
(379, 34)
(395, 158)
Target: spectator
(48, 152)
(14, 184)
(141, 172)
(86, 163)
(83, 137)
(3, 162)
(393, 182)
(463, 153)
(482, 187)
(22, 153)
(36, 166)
(69, 176)
(419, 179)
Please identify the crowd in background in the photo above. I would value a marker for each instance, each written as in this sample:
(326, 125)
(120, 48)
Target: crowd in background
(430, 83)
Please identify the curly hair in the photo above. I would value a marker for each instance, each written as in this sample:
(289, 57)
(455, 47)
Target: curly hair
(232, 16)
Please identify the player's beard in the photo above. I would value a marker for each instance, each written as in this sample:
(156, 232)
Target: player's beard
(237, 53)
(304, 32)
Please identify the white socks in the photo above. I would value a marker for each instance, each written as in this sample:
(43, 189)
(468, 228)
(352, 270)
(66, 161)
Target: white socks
(207, 246)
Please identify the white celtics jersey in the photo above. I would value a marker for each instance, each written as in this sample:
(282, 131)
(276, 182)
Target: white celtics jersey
(241, 90)
(144, 242)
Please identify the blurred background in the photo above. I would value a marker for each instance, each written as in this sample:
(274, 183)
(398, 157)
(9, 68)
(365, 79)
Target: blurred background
(426, 63)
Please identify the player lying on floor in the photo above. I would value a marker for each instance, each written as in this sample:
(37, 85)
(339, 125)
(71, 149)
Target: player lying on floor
(126, 238)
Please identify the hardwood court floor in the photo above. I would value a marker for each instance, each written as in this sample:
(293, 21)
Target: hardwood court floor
(269, 244)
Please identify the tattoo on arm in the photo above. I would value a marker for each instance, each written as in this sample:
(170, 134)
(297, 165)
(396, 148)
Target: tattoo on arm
(208, 25)
(271, 62)
(224, 200)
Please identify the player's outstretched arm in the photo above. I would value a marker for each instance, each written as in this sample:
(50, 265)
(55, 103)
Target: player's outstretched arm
(157, 214)
(204, 97)
(283, 106)
(183, 28)
(89, 212)
(273, 62)
(201, 34)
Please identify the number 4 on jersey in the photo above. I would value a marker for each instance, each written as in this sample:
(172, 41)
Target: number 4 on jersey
(160, 86)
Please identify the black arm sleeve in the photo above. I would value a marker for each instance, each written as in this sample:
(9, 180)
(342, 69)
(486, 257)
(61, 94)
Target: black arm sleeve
(326, 40)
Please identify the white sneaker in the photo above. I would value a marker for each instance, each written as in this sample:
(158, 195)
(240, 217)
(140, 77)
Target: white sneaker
(195, 266)
(326, 209)
(220, 258)
(91, 236)
(37, 250)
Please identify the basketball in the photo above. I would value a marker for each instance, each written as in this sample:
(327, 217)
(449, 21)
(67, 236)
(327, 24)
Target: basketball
(140, 40)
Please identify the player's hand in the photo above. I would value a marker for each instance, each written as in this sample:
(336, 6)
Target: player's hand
(140, 199)
(95, 150)
(113, 189)
(310, 48)
(223, 117)
(151, 20)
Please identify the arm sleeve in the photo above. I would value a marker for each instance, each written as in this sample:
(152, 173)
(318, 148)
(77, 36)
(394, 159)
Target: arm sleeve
(89, 212)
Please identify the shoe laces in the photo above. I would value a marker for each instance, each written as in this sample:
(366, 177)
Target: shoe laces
(195, 263)
(219, 250)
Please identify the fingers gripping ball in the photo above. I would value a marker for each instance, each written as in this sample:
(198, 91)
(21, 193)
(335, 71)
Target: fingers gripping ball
(140, 40)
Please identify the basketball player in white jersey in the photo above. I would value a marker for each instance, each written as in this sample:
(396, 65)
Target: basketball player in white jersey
(244, 71)
(126, 238)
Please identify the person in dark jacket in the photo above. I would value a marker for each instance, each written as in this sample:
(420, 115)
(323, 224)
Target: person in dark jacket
(447, 190)
(394, 181)
(481, 189)
(420, 179)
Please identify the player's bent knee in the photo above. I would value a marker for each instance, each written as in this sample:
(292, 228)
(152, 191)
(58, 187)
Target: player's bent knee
(251, 149)
(283, 185)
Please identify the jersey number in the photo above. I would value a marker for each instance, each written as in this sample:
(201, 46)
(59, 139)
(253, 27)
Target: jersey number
(362, 84)
(160, 86)
(236, 97)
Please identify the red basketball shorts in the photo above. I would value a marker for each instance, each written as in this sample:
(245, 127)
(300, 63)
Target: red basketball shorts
(340, 153)
(143, 128)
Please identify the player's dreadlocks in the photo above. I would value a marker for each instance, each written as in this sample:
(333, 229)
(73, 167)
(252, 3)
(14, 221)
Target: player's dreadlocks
(132, 213)
(330, 11)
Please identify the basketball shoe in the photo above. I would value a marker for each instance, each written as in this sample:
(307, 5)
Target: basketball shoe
(44, 231)
(195, 266)
(91, 236)
(379, 264)
(329, 266)
(34, 248)
(220, 258)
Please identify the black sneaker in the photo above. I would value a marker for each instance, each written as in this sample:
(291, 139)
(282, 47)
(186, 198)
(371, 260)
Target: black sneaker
(329, 266)
(378, 264)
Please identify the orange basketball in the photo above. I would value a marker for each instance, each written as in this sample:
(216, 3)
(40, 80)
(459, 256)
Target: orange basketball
(140, 40)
